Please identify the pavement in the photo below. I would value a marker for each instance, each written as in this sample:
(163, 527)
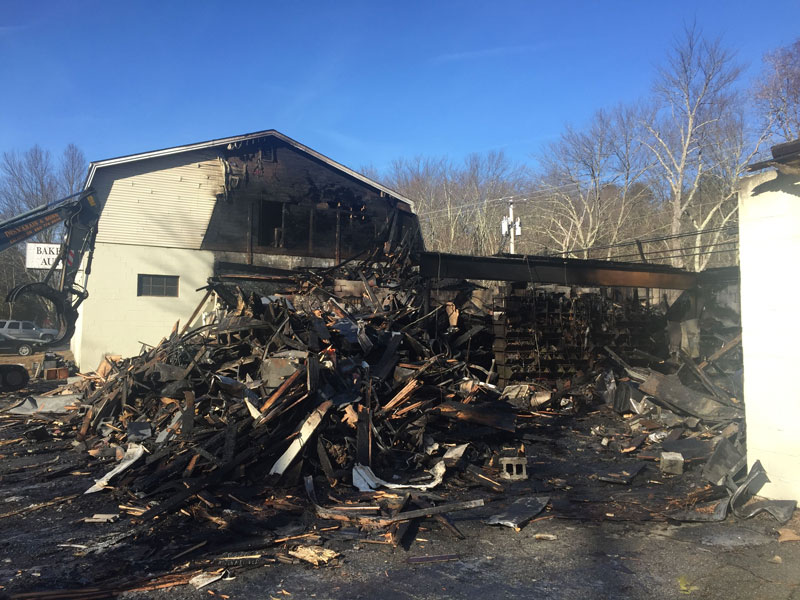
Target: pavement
(595, 540)
(730, 561)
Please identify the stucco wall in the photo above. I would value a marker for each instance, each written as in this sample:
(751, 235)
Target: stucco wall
(120, 320)
(769, 241)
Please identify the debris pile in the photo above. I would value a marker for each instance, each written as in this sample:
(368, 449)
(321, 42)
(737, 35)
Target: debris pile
(270, 391)
(350, 406)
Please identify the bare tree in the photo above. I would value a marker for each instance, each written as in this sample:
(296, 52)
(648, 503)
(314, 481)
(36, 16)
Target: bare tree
(485, 183)
(668, 171)
(778, 92)
(27, 180)
(694, 134)
(72, 171)
(715, 209)
(424, 180)
(593, 184)
(459, 207)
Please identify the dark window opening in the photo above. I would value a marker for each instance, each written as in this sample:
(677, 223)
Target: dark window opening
(314, 229)
(267, 154)
(158, 285)
(324, 232)
(357, 234)
(270, 231)
(297, 220)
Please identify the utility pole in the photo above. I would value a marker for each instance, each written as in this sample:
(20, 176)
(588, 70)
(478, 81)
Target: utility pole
(510, 227)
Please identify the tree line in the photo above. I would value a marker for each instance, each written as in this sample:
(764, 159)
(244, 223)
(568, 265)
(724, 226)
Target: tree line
(662, 170)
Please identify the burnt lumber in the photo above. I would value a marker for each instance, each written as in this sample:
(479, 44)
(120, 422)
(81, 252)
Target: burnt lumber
(282, 386)
(401, 409)
(491, 417)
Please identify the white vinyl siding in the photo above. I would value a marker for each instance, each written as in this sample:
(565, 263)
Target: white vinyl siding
(164, 201)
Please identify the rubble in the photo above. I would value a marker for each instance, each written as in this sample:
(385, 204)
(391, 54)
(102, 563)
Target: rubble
(346, 404)
(520, 512)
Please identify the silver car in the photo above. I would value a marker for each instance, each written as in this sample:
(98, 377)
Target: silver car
(27, 330)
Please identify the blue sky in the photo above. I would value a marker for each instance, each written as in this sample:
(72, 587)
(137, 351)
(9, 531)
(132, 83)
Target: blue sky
(362, 82)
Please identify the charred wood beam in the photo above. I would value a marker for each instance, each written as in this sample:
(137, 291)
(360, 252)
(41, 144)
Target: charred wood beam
(490, 417)
(564, 271)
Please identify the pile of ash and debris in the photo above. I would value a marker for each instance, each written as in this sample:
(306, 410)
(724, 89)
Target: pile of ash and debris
(346, 406)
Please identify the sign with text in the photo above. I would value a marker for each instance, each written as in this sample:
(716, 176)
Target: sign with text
(40, 256)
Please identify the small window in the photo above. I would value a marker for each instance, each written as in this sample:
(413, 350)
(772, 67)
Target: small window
(27, 325)
(2, 324)
(158, 285)
(13, 325)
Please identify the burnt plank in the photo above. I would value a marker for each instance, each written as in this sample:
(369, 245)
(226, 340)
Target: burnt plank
(459, 411)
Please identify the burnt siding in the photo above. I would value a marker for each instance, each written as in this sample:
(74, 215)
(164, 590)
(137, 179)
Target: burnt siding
(269, 171)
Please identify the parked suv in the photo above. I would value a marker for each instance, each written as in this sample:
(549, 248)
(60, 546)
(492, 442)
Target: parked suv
(27, 330)
(21, 347)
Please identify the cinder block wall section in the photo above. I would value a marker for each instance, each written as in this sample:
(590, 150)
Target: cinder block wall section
(115, 319)
(769, 241)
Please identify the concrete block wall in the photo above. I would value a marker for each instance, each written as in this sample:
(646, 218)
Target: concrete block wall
(114, 320)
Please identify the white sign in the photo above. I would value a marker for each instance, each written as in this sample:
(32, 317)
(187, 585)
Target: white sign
(40, 256)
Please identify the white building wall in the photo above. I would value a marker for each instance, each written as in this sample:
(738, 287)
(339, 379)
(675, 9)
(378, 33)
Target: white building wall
(165, 201)
(155, 216)
(114, 320)
(769, 242)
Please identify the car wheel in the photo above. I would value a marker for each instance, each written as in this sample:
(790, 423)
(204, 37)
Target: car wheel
(25, 350)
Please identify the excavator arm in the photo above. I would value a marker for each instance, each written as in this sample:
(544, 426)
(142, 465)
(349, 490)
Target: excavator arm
(80, 214)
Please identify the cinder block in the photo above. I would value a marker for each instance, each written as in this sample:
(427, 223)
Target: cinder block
(672, 463)
(514, 468)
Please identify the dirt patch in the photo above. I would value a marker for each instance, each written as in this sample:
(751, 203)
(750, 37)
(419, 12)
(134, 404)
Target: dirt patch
(28, 361)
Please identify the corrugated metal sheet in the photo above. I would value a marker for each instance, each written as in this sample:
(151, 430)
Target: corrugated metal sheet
(164, 201)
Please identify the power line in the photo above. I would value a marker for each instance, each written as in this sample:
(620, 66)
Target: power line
(650, 253)
(697, 254)
(647, 241)
(464, 211)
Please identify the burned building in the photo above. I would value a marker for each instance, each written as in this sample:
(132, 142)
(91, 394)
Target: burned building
(346, 407)
(177, 216)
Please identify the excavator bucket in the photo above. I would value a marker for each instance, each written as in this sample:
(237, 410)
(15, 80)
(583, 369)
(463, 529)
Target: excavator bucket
(64, 313)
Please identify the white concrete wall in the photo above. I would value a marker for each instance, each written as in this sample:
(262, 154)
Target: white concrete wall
(769, 242)
(114, 320)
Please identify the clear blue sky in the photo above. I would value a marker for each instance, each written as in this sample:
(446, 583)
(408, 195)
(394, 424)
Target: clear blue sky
(362, 82)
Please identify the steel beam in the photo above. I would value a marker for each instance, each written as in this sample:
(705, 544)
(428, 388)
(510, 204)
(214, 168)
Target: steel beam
(564, 271)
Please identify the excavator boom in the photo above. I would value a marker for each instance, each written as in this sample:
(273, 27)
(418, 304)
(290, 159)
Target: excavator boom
(80, 214)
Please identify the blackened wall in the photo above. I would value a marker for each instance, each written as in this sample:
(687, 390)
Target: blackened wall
(280, 200)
